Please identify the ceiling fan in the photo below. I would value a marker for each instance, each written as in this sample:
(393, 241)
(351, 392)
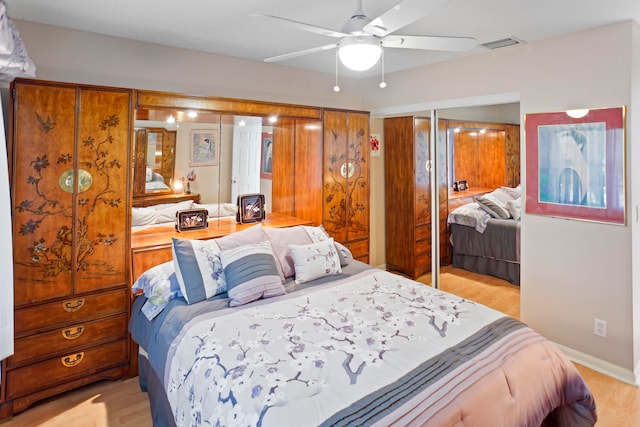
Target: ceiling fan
(362, 39)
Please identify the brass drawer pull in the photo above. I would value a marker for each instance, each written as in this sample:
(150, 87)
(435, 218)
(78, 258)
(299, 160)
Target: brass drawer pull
(70, 334)
(72, 360)
(72, 306)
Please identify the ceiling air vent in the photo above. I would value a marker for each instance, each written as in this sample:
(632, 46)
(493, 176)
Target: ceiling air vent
(497, 44)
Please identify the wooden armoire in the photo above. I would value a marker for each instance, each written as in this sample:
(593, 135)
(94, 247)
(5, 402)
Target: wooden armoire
(70, 180)
(408, 195)
(345, 207)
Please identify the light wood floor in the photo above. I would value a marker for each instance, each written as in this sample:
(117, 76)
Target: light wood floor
(122, 404)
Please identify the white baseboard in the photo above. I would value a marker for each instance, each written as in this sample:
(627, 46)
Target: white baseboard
(602, 366)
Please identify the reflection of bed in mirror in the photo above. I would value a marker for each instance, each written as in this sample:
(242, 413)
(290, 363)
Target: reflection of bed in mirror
(154, 160)
(162, 215)
(485, 234)
(154, 182)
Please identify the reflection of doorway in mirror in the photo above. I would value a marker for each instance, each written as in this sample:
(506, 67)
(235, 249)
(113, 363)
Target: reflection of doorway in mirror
(247, 146)
(154, 151)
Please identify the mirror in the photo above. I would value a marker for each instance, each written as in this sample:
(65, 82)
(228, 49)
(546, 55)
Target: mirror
(168, 147)
(154, 160)
(213, 182)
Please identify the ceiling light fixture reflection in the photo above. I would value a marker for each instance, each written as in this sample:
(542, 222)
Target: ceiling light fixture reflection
(577, 113)
(171, 119)
(192, 114)
(273, 119)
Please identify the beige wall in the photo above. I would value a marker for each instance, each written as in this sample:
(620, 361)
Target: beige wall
(571, 271)
(80, 57)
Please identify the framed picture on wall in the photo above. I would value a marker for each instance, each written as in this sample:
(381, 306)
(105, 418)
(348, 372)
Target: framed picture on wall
(576, 164)
(266, 159)
(204, 147)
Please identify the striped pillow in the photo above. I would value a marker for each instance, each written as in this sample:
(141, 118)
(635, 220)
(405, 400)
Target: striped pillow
(198, 269)
(493, 206)
(251, 273)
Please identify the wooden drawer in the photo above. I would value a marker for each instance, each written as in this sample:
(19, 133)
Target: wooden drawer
(423, 232)
(359, 249)
(423, 262)
(67, 339)
(70, 311)
(423, 247)
(32, 378)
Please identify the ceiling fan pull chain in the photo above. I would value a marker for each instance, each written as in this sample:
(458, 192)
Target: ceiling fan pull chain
(336, 88)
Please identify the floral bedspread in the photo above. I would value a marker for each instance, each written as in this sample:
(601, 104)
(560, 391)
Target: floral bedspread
(306, 356)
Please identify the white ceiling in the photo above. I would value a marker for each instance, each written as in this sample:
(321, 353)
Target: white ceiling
(226, 27)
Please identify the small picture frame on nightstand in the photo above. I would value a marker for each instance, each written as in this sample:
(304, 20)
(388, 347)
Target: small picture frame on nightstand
(192, 219)
(250, 208)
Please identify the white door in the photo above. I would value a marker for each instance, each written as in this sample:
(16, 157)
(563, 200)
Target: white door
(245, 170)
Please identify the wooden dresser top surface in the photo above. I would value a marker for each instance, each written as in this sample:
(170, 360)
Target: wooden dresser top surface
(468, 193)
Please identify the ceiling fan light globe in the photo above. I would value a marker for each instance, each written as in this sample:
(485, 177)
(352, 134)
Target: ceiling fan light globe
(359, 53)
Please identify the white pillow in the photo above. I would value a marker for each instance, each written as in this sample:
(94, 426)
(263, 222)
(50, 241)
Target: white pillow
(167, 212)
(515, 207)
(315, 260)
(225, 209)
(318, 234)
(143, 216)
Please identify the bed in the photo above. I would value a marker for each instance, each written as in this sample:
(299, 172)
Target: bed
(485, 234)
(331, 341)
(164, 214)
(155, 182)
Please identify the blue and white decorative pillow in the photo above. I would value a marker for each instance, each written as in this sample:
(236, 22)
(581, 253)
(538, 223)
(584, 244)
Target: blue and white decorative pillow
(319, 234)
(251, 273)
(198, 269)
(160, 285)
(315, 260)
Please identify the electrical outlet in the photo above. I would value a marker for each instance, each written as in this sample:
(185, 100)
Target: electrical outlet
(600, 328)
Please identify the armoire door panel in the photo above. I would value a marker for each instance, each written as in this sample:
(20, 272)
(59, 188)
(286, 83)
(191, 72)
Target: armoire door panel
(492, 144)
(422, 129)
(308, 170)
(102, 209)
(399, 170)
(358, 180)
(345, 213)
(336, 169)
(43, 173)
(283, 175)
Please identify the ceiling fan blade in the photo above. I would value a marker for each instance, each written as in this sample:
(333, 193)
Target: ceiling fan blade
(301, 53)
(453, 44)
(401, 15)
(302, 26)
